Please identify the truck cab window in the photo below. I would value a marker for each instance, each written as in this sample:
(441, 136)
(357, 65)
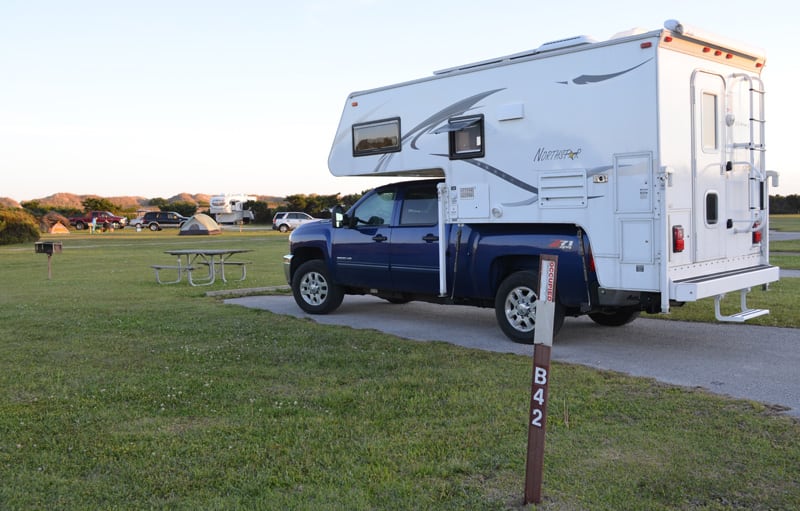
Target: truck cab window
(375, 210)
(420, 207)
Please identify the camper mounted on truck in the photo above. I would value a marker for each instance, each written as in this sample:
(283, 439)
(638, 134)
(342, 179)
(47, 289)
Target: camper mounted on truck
(229, 208)
(639, 161)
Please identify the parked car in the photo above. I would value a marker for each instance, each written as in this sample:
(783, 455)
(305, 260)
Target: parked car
(157, 220)
(97, 219)
(285, 221)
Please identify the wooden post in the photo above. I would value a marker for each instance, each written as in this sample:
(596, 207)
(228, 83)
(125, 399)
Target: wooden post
(540, 380)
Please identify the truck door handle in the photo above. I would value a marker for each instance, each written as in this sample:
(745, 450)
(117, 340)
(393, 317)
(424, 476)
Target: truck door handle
(430, 238)
(379, 238)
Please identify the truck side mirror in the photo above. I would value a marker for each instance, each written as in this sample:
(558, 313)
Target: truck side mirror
(337, 217)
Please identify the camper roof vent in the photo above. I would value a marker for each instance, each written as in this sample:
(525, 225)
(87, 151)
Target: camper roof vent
(566, 43)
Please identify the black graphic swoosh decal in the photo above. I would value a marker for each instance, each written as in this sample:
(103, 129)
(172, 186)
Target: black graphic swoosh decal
(503, 175)
(584, 79)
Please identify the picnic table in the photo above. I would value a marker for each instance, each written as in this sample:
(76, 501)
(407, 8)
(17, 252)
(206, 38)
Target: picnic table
(191, 259)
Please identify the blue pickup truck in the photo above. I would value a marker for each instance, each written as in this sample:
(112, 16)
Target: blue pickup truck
(387, 245)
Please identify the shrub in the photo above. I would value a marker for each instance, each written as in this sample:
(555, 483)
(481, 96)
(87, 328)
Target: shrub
(17, 226)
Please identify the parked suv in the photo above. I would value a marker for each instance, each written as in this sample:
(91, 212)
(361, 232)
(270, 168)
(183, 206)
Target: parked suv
(287, 220)
(157, 220)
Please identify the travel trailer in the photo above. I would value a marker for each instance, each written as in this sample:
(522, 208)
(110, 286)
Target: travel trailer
(639, 159)
(229, 208)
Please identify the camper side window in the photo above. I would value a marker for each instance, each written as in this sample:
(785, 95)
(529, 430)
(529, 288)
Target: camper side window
(376, 137)
(466, 137)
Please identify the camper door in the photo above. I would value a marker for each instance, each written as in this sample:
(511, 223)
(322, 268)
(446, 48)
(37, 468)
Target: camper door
(722, 195)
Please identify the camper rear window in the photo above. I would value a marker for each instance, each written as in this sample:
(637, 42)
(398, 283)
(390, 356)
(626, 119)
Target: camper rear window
(709, 122)
(376, 137)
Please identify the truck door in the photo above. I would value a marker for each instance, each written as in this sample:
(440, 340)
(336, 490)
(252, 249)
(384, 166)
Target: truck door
(361, 250)
(415, 241)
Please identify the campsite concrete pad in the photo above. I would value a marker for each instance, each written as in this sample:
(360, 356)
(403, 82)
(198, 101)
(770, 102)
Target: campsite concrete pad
(739, 360)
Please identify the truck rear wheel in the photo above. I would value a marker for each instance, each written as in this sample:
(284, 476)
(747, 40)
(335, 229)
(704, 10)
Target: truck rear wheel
(515, 307)
(618, 317)
(313, 289)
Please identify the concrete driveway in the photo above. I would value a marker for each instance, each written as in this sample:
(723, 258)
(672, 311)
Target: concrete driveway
(738, 360)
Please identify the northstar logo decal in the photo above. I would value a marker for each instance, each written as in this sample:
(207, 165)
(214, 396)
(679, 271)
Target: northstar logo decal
(544, 154)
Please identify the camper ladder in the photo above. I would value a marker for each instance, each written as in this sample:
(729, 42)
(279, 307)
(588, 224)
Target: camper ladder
(756, 148)
(739, 317)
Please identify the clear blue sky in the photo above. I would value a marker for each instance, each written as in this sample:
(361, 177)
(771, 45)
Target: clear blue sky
(159, 97)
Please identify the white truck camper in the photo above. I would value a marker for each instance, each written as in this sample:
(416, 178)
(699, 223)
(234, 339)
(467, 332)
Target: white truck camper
(229, 208)
(650, 143)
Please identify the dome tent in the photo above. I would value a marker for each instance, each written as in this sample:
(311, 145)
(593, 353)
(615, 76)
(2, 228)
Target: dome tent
(58, 228)
(200, 224)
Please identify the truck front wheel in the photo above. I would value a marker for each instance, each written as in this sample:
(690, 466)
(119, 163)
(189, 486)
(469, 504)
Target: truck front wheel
(515, 307)
(313, 289)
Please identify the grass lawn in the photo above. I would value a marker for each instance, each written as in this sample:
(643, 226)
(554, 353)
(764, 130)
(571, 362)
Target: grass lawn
(786, 223)
(119, 393)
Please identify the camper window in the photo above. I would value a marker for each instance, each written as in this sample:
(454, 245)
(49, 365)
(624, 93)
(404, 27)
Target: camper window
(712, 208)
(376, 137)
(465, 137)
(709, 122)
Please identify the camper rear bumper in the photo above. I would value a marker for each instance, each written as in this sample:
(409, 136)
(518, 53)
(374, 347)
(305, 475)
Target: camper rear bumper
(689, 290)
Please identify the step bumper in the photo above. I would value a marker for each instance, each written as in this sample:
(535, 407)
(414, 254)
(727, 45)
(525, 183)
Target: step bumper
(696, 288)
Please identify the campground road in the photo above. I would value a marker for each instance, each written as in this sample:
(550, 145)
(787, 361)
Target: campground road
(739, 360)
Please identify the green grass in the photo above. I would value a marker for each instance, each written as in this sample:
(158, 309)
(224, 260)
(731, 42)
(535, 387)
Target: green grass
(786, 223)
(118, 393)
(787, 262)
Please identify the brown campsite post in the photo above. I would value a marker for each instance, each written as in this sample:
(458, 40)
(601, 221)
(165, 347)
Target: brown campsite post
(540, 380)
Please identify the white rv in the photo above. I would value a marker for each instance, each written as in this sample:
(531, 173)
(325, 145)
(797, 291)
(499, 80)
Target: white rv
(650, 143)
(229, 208)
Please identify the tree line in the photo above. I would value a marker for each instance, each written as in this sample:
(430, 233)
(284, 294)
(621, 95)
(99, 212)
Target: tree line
(788, 205)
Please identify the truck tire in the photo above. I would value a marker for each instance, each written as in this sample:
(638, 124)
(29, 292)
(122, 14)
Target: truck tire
(515, 307)
(154, 227)
(618, 317)
(313, 289)
(80, 226)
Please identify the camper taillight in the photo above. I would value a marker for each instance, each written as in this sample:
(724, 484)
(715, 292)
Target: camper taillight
(757, 233)
(678, 244)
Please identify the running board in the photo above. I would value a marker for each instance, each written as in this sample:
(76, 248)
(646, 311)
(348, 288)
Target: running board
(739, 317)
